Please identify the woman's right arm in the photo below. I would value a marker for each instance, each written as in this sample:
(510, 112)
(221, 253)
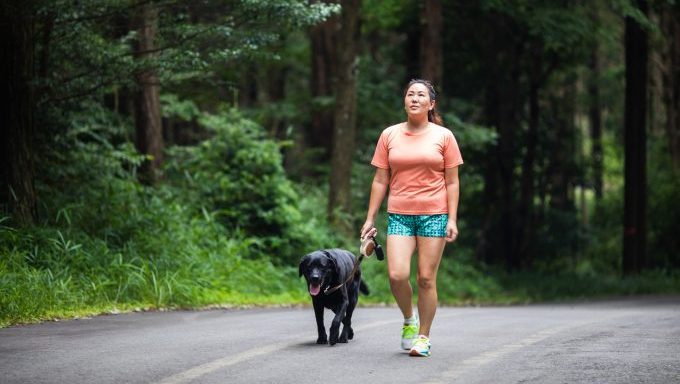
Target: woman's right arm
(381, 181)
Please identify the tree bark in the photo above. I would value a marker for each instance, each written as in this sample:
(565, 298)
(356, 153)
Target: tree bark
(635, 144)
(323, 39)
(431, 21)
(148, 124)
(670, 57)
(344, 120)
(498, 242)
(525, 226)
(563, 148)
(503, 103)
(595, 117)
(17, 114)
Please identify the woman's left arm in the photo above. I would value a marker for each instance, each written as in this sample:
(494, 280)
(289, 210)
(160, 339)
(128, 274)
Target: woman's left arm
(452, 194)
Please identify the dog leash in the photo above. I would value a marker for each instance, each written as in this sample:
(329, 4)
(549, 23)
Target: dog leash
(328, 291)
(379, 254)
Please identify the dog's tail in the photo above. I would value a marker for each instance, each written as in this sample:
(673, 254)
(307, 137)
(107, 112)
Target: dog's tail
(363, 288)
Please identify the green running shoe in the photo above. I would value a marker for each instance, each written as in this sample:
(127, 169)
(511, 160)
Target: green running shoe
(421, 347)
(408, 333)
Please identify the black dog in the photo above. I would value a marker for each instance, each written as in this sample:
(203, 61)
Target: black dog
(328, 278)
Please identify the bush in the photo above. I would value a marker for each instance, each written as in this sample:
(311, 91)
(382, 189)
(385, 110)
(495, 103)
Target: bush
(237, 176)
(106, 241)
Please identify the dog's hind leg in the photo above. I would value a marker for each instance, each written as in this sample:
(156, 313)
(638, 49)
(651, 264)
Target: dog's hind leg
(347, 322)
(347, 331)
(318, 313)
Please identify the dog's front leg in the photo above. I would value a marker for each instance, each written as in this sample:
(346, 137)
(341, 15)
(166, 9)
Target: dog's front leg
(318, 313)
(337, 320)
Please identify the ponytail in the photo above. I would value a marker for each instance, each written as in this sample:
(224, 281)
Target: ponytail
(434, 117)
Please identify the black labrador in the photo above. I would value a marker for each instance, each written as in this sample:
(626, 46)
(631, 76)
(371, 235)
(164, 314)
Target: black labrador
(327, 273)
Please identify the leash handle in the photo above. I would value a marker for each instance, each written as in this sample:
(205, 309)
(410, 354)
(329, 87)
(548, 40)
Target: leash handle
(378, 250)
(365, 249)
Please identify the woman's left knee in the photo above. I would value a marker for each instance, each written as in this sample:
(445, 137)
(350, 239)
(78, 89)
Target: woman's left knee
(426, 282)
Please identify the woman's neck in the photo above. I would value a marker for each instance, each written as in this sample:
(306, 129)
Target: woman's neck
(416, 125)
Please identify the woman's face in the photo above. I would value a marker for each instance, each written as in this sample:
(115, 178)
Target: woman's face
(417, 100)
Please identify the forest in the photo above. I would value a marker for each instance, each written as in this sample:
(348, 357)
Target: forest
(163, 154)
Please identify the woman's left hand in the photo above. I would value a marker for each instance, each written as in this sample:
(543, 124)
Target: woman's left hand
(451, 231)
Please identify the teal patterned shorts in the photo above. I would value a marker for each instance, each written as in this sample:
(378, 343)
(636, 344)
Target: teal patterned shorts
(417, 225)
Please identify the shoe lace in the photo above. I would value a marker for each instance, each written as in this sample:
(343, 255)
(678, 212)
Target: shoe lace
(409, 331)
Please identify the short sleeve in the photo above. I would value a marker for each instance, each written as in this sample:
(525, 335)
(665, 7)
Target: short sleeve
(381, 155)
(452, 155)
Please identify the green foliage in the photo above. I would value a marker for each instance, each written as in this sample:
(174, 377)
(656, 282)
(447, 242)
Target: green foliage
(172, 106)
(663, 215)
(237, 176)
(474, 137)
(91, 44)
(227, 226)
(107, 241)
(385, 14)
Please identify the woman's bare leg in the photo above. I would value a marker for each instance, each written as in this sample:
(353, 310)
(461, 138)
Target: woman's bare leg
(399, 252)
(430, 251)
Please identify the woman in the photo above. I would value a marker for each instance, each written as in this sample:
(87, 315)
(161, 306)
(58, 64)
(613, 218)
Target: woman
(418, 160)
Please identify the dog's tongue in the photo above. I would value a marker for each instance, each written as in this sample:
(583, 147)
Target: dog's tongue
(314, 289)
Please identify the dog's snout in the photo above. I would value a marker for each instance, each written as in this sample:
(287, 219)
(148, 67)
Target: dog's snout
(315, 277)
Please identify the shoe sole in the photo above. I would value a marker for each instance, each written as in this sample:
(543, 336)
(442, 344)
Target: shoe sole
(418, 354)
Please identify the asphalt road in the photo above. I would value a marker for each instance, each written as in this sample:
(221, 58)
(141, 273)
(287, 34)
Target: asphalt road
(621, 341)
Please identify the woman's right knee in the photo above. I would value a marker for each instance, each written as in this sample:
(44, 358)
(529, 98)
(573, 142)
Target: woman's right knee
(398, 277)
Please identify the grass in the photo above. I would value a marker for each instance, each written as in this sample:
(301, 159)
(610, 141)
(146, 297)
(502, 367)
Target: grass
(33, 294)
(119, 247)
(63, 272)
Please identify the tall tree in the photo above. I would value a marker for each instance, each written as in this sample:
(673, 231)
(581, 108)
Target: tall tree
(503, 105)
(670, 57)
(17, 114)
(147, 106)
(594, 111)
(563, 146)
(525, 229)
(344, 118)
(323, 37)
(431, 21)
(635, 144)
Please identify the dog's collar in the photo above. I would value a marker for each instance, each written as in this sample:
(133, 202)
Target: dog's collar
(328, 290)
(357, 262)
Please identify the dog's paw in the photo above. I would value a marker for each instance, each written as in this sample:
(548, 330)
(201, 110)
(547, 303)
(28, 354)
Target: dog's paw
(322, 340)
(333, 339)
(350, 333)
(342, 339)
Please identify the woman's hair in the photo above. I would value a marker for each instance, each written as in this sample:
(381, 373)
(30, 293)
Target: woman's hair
(432, 116)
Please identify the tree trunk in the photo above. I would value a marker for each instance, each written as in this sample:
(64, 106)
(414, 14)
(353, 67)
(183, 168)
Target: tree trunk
(323, 38)
(563, 148)
(525, 226)
(17, 116)
(339, 201)
(497, 242)
(670, 26)
(635, 137)
(595, 117)
(431, 21)
(148, 123)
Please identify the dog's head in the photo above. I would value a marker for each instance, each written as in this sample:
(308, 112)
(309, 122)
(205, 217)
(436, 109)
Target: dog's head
(318, 269)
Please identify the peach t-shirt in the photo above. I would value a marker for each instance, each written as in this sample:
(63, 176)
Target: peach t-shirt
(416, 163)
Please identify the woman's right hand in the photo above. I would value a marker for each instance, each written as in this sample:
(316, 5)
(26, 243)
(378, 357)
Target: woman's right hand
(368, 229)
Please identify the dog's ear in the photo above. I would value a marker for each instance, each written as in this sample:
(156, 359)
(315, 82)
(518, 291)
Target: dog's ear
(333, 261)
(303, 264)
